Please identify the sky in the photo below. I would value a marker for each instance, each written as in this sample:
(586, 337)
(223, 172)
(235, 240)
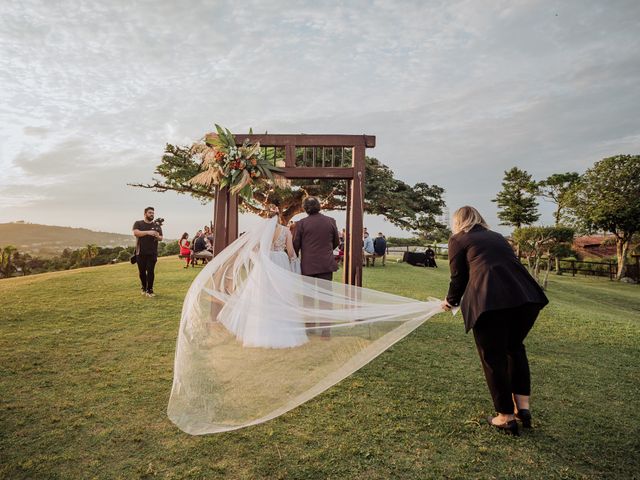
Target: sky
(456, 92)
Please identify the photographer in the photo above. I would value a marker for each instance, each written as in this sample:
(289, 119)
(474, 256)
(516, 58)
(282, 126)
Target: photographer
(148, 233)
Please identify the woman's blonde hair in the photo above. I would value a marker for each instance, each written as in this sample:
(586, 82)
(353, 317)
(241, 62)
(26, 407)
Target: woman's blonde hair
(465, 218)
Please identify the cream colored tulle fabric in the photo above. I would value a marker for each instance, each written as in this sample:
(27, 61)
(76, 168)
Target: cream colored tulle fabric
(257, 340)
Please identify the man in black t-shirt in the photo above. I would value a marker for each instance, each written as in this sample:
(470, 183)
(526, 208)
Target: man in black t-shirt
(148, 233)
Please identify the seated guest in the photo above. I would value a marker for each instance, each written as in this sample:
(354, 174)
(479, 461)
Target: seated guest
(368, 244)
(380, 248)
(208, 235)
(185, 250)
(200, 248)
(368, 252)
(431, 257)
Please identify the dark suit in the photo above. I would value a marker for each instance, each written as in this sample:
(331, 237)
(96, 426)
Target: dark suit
(500, 301)
(317, 236)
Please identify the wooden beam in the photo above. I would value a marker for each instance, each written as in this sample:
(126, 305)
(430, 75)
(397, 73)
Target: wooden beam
(268, 140)
(318, 172)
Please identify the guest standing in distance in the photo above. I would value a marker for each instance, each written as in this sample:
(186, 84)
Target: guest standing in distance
(185, 248)
(500, 301)
(316, 236)
(148, 233)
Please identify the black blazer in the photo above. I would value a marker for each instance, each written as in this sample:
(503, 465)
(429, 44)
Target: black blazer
(487, 275)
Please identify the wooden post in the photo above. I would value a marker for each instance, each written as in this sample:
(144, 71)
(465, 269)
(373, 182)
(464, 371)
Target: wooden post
(357, 207)
(220, 210)
(346, 260)
(232, 217)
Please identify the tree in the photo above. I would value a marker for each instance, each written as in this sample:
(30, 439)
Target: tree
(516, 201)
(412, 208)
(555, 189)
(6, 260)
(89, 252)
(607, 197)
(535, 242)
(22, 261)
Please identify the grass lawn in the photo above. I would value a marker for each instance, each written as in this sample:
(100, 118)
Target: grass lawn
(86, 370)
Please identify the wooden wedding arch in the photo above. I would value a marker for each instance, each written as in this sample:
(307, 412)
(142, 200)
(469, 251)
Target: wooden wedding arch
(310, 156)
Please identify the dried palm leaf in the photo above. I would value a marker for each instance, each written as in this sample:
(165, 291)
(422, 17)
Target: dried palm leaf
(211, 176)
(245, 180)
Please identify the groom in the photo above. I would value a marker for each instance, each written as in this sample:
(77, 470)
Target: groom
(316, 236)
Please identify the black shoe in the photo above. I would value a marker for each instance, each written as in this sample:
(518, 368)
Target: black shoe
(525, 417)
(510, 427)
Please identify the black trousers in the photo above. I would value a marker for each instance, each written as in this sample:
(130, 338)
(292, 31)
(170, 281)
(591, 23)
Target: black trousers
(146, 267)
(499, 335)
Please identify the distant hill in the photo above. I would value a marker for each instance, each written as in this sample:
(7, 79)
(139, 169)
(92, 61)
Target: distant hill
(50, 240)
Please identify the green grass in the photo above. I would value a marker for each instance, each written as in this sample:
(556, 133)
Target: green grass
(86, 371)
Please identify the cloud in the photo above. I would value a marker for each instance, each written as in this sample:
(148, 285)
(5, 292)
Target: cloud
(456, 92)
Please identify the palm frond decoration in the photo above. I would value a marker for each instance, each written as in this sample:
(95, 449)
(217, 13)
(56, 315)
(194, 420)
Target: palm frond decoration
(225, 164)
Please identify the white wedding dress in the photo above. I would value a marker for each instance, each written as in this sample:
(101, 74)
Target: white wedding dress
(248, 347)
(248, 317)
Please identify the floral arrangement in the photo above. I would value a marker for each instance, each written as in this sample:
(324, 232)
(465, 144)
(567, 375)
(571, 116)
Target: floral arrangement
(226, 165)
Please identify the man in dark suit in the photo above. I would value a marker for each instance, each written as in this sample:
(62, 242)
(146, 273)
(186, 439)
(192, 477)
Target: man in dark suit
(316, 236)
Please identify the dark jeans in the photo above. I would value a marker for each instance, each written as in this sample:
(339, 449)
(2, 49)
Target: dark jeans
(146, 266)
(499, 335)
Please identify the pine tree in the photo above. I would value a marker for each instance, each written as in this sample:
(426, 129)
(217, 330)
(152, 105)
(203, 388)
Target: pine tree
(517, 202)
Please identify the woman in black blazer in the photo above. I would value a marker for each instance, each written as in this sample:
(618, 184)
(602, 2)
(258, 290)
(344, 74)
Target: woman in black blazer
(500, 301)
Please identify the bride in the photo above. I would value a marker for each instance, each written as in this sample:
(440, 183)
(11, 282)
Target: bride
(243, 354)
(248, 316)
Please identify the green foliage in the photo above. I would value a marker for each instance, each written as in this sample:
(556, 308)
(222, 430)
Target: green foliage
(87, 369)
(516, 201)
(168, 248)
(27, 264)
(534, 242)
(403, 242)
(555, 189)
(7, 265)
(607, 197)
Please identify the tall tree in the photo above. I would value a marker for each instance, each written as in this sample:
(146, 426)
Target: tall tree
(555, 189)
(7, 266)
(607, 197)
(411, 208)
(516, 201)
(89, 252)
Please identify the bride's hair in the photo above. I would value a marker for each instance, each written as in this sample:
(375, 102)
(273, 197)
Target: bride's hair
(465, 218)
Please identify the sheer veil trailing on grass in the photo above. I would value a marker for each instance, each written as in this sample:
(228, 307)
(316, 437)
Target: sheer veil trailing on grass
(257, 340)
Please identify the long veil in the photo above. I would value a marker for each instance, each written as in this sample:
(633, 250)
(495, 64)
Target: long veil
(256, 340)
